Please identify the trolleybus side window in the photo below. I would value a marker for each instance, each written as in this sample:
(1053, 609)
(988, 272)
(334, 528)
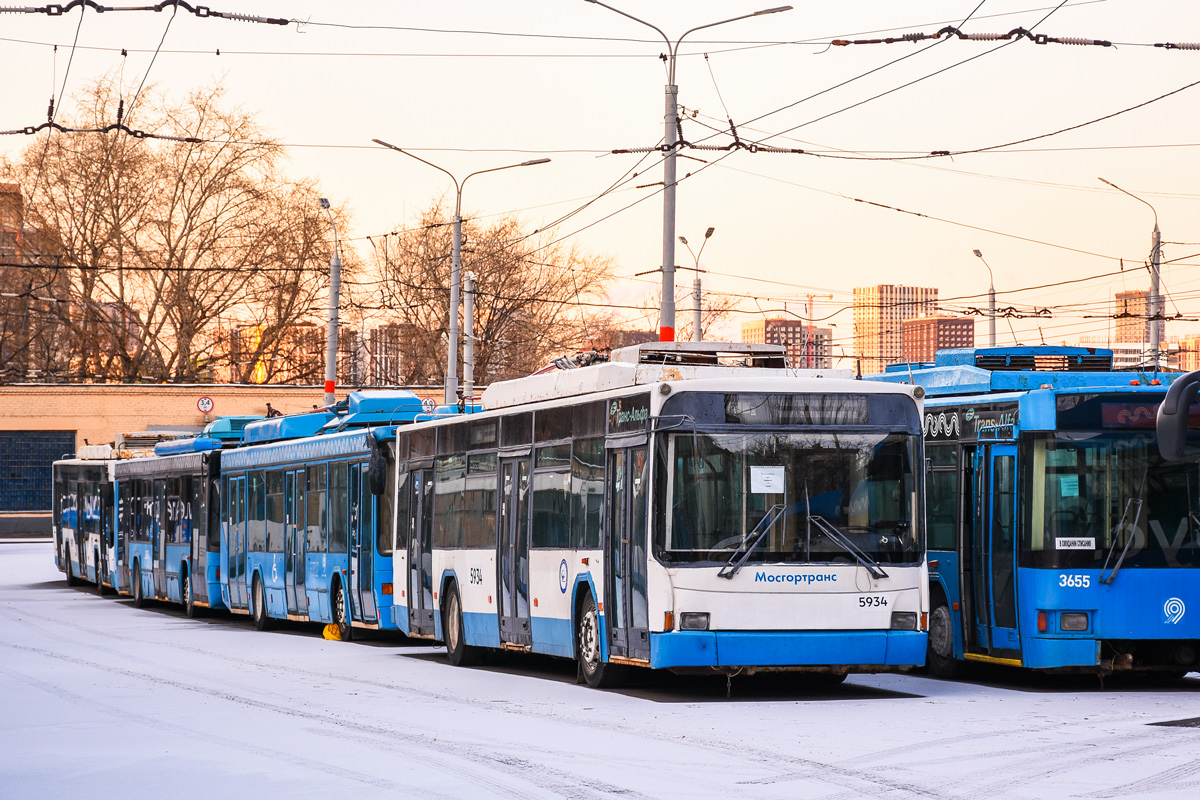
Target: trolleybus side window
(943, 496)
(551, 492)
(274, 511)
(448, 490)
(479, 501)
(587, 490)
(316, 509)
(339, 495)
(398, 494)
(256, 532)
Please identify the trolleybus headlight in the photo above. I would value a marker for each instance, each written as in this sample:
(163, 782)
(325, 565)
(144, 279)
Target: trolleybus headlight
(693, 621)
(904, 620)
(1073, 621)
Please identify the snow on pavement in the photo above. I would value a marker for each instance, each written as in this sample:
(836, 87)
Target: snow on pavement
(105, 700)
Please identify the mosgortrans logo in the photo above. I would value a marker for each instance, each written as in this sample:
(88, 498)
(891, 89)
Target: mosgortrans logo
(793, 578)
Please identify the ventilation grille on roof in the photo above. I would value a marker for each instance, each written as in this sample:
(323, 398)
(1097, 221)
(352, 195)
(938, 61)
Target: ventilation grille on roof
(1094, 362)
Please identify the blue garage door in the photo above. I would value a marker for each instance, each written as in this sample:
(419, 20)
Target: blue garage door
(25, 459)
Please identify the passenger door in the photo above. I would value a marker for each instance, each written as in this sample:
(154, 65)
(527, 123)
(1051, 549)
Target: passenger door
(512, 549)
(420, 554)
(625, 545)
(1001, 567)
(364, 547)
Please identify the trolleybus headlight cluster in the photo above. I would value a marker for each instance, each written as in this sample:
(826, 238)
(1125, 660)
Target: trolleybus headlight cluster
(693, 621)
(1073, 621)
(904, 620)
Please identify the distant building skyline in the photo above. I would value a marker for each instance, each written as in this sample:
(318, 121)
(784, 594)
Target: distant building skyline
(793, 334)
(922, 337)
(878, 313)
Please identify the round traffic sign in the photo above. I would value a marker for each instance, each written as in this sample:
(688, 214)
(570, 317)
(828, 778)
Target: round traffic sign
(205, 404)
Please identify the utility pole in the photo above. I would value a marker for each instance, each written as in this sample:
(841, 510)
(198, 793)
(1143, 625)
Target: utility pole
(696, 295)
(1155, 315)
(991, 301)
(666, 317)
(469, 340)
(335, 288)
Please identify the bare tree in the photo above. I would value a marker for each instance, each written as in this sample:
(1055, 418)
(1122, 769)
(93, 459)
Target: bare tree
(534, 299)
(714, 309)
(171, 248)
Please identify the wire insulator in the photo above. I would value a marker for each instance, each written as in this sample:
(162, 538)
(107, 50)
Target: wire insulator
(1179, 45)
(984, 37)
(1078, 41)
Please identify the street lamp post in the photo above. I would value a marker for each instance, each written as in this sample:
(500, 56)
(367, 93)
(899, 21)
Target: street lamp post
(1155, 314)
(335, 288)
(991, 301)
(451, 385)
(696, 291)
(666, 318)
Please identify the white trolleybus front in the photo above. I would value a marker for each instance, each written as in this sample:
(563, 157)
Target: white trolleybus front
(696, 507)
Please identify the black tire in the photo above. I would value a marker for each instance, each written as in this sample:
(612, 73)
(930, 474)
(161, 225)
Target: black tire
(592, 669)
(458, 652)
(258, 606)
(71, 579)
(135, 587)
(189, 600)
(341, 614)
(99, 576)
(939, 656)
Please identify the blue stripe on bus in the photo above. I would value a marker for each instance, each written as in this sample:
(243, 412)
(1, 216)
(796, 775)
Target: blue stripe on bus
(785, 648)
(552, 636)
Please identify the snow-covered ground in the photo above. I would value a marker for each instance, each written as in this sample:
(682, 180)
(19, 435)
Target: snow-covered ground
(99, 699)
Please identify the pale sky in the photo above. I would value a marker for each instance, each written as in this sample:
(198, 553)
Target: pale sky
(473, 85)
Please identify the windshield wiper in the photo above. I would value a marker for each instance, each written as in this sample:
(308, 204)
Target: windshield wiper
(829, 529)
(1134, 501)
(751, 541)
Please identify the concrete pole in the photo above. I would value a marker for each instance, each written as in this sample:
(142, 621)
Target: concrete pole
(1155, 300)
(331, 335)
(991, 314)
(696, 308)
(451, 389)
(468, 338)
(666, 317)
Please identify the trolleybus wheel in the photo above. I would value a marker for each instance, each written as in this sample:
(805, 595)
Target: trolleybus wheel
(459, 653)
(71, 580)
(99, 577)
(139, 599)
(262, 621)
(189, 602)
(940, 654)
(592, 669)
(341, 614)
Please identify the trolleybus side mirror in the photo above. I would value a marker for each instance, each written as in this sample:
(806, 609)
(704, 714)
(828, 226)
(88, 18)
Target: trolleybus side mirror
(377, 470)
(1172, 423)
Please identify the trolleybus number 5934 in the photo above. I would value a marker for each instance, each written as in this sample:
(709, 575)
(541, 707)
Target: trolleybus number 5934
(871, 601)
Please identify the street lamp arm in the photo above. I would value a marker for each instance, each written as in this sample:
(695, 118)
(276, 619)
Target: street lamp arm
(1135, 197)
(418, 158)
(675, 51)
(635, 19)
(457, 205)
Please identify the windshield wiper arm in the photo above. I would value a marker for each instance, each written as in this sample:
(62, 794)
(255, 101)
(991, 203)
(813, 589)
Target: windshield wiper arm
(1137, 503)
(829, 529)
(751, 541)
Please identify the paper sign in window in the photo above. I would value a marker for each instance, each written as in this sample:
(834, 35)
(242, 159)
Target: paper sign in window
(1068, 485)
(767, 480)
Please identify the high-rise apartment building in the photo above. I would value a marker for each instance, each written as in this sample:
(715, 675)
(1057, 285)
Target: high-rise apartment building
(878, 314)
(793, 334)
(922, 337)
(1131, 311)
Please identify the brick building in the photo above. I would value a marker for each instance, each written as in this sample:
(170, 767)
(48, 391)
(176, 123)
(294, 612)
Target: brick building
(922, 337)
(794, 336)
(878, 312)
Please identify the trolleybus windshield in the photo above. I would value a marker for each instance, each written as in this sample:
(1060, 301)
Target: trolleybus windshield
(841, 489)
